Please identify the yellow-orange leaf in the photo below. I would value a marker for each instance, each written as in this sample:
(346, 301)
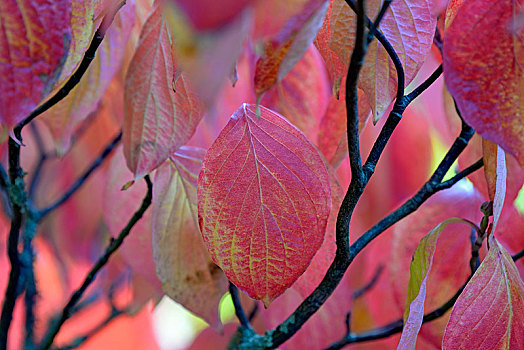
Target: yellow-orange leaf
(183, 265)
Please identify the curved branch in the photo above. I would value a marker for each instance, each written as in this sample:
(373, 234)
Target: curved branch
(102, 261)
(74, 79)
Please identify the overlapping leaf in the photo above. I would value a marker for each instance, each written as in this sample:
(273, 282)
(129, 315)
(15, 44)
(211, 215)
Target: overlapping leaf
(161, 113)
(302, 96)
(285, 50)
(489, 313)
(449, 258)
(210, 14)
(487, 80)
(183, 265)
(419, 272)
(208, 58)
(263, 202)
(85, 97)
(34, 41)
(118, 207)
(409, 25)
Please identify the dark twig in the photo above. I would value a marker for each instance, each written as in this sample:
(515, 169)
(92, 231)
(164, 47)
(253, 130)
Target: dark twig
(28, 278)
(17, 197)
(395, 326)
(101, 262)
(427, 190)
(518, 256)
(239, 311)
(74, 79)
(364, 289)
(115, 313)
(80, 181)
(401, 80)
(374, 27)
(253, 313)
(424, 85)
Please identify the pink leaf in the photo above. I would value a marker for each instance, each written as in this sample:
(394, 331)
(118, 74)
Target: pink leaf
(183, 264)
(409, 25)
(264, 200)
(489, 313)
(419, 271)
(487, 80)
(158, 120)
(34, 41)
(64, 117)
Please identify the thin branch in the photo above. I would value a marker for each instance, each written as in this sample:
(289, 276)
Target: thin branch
(336, 270)
(427, 190)
(239, 311)
(518, 256)
(401, 79)
(374, 27)
(395, 326)
(74, 79)
(462, 174)
(28, 278)
(17, 197)
(115, 313)
(366, 288)
(112, 248)
(425, 84)
(80, 181)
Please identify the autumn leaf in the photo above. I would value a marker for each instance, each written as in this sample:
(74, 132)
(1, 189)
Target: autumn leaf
(64, 117)
(302, 96)
(264, 200)
(158, 120)
(34, 41)
(208, 57)
(419, 271)
(409, 25)
(487, 80)
(118, 205)
(209, 14)
(184, 266)
(281, 53)
(489, 313)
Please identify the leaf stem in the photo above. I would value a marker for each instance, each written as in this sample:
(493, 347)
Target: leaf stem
(239, 311)
(101, 262)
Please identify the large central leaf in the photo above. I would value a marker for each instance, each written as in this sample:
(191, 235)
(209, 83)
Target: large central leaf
(263, 202)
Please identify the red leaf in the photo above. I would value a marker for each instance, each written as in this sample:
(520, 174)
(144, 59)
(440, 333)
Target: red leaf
(302, 96)
(34, 40)
(262, 190)
(157, 120)
(286, 49)
(409, 25)
(64, 117)
(487, 80)
(489, 313)
(183, 264)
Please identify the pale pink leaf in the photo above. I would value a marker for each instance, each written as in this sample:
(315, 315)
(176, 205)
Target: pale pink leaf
(183, 265)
